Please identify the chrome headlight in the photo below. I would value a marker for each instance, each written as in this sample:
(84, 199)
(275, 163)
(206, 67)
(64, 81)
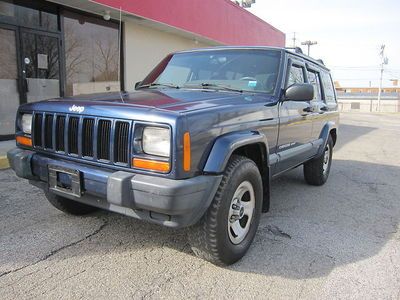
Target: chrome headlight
(156, 141)
(26, 123)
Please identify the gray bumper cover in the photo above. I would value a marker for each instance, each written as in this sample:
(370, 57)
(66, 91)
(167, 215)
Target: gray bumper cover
(172, 203)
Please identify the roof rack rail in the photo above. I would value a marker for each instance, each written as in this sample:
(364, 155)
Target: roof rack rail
(296, 49)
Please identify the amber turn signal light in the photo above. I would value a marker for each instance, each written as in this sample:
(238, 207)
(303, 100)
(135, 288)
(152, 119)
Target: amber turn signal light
(186, 152)
(151, 165)
(24, 141)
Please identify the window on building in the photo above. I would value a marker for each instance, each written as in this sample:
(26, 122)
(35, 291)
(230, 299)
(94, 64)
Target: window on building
(7, 8)
(296, 75)
(91, 55)
(313, 78)
(329, 90)
(29, 15)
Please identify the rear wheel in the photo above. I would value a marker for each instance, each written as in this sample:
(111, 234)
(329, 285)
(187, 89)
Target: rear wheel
(69, 206)
(227, 229)
(316, 171)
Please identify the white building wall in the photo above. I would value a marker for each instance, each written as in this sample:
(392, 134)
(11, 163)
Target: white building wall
(365, 105)
(145, 47)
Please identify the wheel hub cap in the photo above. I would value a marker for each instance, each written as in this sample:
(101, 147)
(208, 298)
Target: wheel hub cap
(327, 153)
(241, 212)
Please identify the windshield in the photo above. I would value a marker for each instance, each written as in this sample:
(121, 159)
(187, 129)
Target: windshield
(254, 70)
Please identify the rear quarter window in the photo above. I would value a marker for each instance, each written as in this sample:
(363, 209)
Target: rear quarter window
(329, 90)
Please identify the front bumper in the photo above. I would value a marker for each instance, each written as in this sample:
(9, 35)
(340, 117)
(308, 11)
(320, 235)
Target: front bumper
(168, 202)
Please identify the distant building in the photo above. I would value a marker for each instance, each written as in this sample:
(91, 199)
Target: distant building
(368, 90)
(365, 99)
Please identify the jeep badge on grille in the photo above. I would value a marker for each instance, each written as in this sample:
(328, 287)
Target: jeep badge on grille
(78, 109)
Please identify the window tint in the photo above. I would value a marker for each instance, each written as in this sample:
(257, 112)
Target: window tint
(329, 91)
(313, 79)
(296, 75)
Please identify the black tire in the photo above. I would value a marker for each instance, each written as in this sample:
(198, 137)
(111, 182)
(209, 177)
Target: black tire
(210, 238)
(316, 171)
(69, 206)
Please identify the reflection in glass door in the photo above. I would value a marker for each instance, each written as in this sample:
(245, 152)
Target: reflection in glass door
(9, 95)
(41, 66)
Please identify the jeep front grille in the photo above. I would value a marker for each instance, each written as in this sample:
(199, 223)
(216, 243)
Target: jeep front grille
(87, 137)
(60, 130)
(73, 135)
(96, 139)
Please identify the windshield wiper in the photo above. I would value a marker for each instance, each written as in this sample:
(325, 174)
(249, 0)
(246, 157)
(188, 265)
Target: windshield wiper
(170, 85)
(216, 86)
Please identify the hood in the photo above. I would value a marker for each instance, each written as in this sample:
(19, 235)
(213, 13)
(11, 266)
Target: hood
(167, 100)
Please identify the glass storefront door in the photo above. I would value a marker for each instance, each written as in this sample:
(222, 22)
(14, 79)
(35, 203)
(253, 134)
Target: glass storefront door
(38, 76)
(40, 65)
(9, 85)
(29, 58)
(34, 65)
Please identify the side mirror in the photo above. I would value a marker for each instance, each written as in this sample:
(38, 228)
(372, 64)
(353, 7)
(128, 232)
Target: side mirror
(137, 84)
(300, 92)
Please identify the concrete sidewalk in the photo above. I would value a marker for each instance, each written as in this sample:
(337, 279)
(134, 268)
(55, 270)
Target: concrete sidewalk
(4, 147)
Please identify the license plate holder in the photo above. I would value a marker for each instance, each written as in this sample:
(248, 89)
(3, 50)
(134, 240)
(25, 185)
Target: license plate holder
(65, 181)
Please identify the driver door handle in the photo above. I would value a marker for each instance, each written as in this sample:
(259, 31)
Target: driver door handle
(26, 85)
(323, 109)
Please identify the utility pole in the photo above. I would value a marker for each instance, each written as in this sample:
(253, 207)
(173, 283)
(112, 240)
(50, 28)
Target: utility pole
(245, 3)
(309, 44)
(294, 39)
(384, 61)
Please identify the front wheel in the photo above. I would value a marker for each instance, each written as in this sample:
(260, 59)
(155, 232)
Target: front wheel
(316, 171)
(227, 229)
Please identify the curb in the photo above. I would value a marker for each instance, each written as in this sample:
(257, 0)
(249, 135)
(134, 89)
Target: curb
(4, 163)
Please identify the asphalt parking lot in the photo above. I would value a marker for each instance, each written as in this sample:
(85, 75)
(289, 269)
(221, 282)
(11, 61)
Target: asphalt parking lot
(341, 240)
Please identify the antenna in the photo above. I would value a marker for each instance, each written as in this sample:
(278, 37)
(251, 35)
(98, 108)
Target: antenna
(119, 52)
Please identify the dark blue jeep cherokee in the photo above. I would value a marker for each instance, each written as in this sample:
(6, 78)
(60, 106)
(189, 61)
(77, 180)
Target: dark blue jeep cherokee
(196, 144)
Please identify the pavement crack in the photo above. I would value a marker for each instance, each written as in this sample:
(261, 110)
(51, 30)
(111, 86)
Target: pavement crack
(54, 252)
(276, 231)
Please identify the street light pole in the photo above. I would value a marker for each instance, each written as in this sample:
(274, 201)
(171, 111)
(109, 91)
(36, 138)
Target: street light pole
(309, 44)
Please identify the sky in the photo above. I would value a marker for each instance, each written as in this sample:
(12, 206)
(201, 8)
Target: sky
(349, 34)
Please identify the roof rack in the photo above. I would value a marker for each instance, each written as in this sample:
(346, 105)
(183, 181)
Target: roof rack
(296, 49)
(299, 51)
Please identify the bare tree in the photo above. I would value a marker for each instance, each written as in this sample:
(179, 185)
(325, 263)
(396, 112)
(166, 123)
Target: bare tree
(74, 52)
(106, 63)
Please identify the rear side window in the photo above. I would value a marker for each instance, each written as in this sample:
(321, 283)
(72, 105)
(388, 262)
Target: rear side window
(313, 78)
(296, 75)
(329, 90)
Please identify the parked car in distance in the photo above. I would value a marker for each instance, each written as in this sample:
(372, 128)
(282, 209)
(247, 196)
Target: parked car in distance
(195, 145)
